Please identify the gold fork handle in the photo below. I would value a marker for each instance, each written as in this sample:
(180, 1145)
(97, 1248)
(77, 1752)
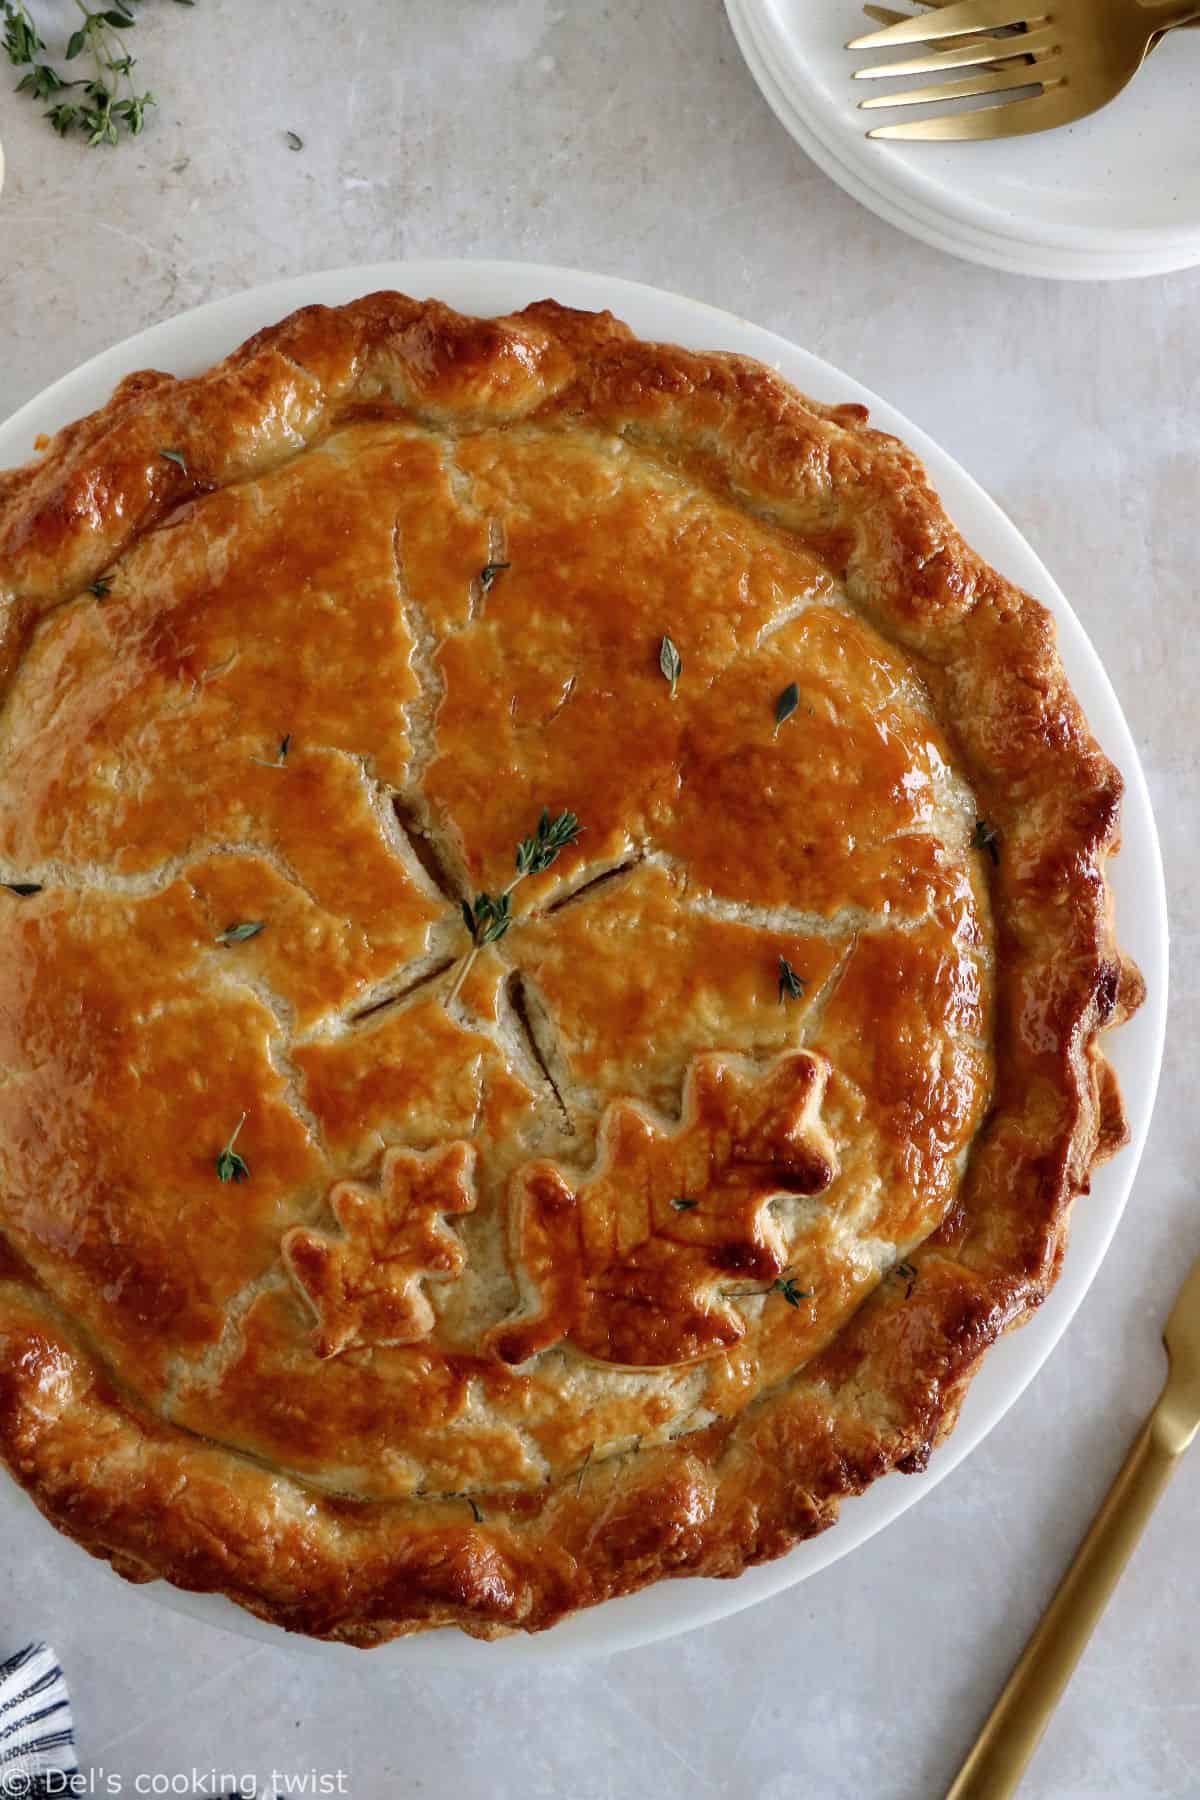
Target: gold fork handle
(1021, 1714)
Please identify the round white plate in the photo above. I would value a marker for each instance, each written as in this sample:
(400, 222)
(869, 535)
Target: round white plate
(1117, 194)
(195, 340)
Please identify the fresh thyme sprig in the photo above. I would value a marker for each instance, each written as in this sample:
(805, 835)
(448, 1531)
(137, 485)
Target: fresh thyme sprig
(230, 1165)
(488, 916)
(107, 102)
(791, 985)
(785, 1284)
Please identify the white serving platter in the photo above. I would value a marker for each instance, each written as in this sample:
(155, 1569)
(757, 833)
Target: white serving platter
(194, 340)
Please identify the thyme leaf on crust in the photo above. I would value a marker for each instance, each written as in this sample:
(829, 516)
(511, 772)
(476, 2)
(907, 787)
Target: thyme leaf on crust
(681, 1203)
(101, 587)
(230, 1165)
(177, 457)
(285, 745)
(986, 837)
(671, 663)
(791, 985)
(786, 705)
(24, 888)
(240, 934)
(488, 574)
(908, 1273)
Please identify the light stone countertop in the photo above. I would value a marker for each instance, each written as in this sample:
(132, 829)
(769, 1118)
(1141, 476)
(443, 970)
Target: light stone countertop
(629, 138)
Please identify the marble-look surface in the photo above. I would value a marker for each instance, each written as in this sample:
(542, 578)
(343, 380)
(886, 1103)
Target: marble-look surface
(628, 137)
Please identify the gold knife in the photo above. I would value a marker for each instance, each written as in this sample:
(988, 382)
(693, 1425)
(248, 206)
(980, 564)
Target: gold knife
(1021, 1714)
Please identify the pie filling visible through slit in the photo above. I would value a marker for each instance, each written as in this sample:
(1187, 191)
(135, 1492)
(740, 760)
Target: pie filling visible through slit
(556, 943)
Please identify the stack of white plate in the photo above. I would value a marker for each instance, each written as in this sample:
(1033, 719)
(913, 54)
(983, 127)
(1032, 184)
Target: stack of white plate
(1117, 194)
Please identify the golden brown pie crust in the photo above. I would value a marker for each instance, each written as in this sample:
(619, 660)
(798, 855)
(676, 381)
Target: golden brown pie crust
(497, 1326)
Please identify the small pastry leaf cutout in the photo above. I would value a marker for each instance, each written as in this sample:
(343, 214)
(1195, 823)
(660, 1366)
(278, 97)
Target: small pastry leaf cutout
(366, 1281)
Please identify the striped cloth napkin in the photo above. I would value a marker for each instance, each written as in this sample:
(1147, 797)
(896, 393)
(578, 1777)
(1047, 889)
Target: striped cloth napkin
(37, 1737)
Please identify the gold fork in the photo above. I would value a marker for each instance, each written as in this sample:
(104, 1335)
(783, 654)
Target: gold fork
(1075, 56)
(1020, 1716)
(887, 15)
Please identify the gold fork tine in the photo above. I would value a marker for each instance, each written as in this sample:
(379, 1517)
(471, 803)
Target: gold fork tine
(887, 15)
(950, 21)
(1013, 118)
(999, 81)
(986, 49)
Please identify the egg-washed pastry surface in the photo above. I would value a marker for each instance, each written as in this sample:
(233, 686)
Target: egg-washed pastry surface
(555, 951)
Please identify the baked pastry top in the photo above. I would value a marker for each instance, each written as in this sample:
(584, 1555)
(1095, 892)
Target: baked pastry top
(555, 949)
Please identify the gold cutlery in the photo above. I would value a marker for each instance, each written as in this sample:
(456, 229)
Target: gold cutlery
(1021, 1714)
(1073, 58)
(887, 15)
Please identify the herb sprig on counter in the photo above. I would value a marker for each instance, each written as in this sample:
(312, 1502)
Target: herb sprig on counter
(488, 916)
(100, 106)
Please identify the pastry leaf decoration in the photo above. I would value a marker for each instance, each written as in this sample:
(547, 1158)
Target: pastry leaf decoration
(365, 1281)
(625, 1274)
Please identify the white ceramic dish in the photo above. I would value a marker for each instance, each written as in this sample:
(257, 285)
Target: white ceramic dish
(193, 341)
(1115, 195)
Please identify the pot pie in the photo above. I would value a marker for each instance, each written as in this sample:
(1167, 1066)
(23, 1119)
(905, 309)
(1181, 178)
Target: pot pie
(555, 952)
